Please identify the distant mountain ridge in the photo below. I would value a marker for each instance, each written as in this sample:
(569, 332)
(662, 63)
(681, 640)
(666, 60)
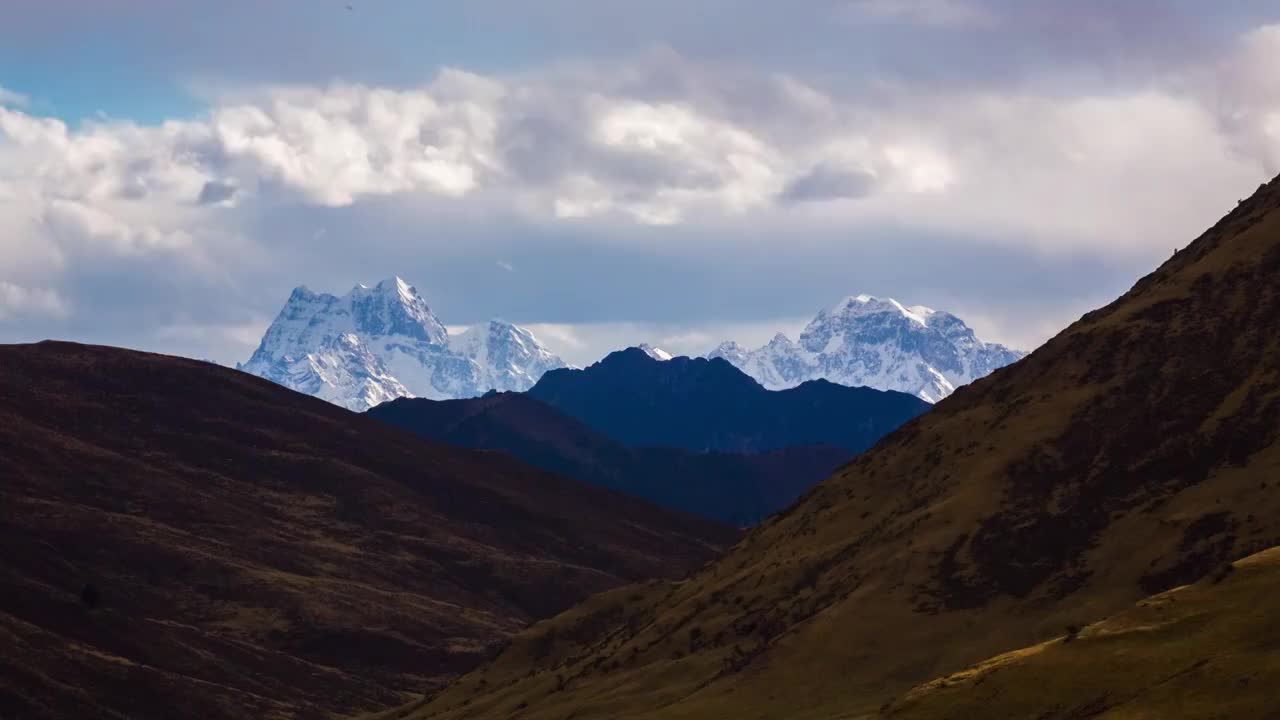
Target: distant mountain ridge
(710, 405)
(865, 341)
(376, 344)
(736, 489)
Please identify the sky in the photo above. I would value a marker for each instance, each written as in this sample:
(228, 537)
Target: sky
(678, 172)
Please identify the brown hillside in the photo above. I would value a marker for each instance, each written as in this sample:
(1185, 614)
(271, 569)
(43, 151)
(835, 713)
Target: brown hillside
(1192, 653)
(1134, 452)
(183, 540)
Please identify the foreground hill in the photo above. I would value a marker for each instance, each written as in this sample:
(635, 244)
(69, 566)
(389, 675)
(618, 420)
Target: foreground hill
(183, 540)
(1204, 651)
(737, 489)
(1136, 451)
(700, 404)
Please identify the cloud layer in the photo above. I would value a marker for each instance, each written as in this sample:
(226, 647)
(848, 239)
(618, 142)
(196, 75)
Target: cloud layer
(568, 189)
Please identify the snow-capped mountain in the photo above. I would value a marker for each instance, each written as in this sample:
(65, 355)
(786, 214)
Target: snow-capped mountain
(877, 343)
(510, 357)
(376, 344)
(656, 353)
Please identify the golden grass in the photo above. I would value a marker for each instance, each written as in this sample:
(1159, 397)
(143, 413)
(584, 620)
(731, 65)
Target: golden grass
(1198, 652)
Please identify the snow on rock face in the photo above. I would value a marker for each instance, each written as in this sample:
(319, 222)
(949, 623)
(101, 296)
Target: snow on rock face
(510, 357)
(877, 343)
(654, 352)
(377, 344)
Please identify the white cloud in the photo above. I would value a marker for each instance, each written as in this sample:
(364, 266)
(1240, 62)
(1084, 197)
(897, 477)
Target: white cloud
(1245, 90)
(1044, 170)
(662, 156)
(19, 301)
(76, 221)
(336, 144)
(1108, 175)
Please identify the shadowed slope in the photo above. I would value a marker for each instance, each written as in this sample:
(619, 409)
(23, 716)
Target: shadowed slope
(737, 489)
(1134, 452)
(184, 539)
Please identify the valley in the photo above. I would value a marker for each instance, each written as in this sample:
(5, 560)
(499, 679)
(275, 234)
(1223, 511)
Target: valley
(738, 489)
(1135, 452)
(694, 360)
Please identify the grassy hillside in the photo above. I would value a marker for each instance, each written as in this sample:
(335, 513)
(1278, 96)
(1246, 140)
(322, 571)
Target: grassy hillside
(1134, 452)
(183, 540)
(1192, 653)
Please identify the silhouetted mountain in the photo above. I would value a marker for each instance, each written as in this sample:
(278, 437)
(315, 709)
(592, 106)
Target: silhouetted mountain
(185, 540)
(738, 489)
(1137, 451)
(701, 404)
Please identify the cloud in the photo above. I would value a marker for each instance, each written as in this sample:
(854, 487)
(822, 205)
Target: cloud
(248, 334)
(826, 182)
(1247, 93)
(215, 192)
(337, 144)
(75, 222)
(660, 195)
(646, 149)
(19, 301)
(12, 99)
(943, 13)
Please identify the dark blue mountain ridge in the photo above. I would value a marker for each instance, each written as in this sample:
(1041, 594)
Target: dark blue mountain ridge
(738, 489)
(710, 405)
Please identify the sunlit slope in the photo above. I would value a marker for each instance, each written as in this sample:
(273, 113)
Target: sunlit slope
(1134, 452)
(1202, 651)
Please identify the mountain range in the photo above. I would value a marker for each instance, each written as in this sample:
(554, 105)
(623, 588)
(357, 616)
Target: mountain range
(1090, 532)
(876, 343)
(737, 489)
(184, 540)
(1022, 550)
(709, 405)
(377, 344)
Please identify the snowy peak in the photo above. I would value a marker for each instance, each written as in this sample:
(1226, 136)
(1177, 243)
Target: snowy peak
(731, 351)
(396, 284)
(378, 343)
(780, 342)
(508, 357)
(875, 342)
(655, 353)
(864, 305)
(301, 294)
(394, 308)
